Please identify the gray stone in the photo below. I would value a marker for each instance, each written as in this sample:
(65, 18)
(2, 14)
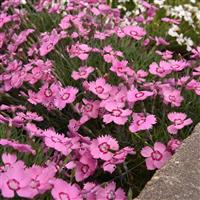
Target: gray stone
(180, 178)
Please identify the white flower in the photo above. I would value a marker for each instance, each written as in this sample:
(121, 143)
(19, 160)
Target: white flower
(180, 39)
(173, 31)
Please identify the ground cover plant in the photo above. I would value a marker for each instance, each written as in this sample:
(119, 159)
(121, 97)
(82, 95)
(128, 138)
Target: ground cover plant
(92, 101)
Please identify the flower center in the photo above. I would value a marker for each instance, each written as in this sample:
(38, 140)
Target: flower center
(82, 73)
(172, 98)
(34, 183)
(176, 66)
(111, 195)
(160, 70)
(104, 147)
(48, 93)
(139, 94)
(63, 196)
(134, 33)
(88, 107)
(99, 89)
(120, 69)
(85, 169)
(49, 46)
(178, 121)
(55, 139)
(116, 112)
(65, 96)
(156, 155)
(141, 121)
(13, 184)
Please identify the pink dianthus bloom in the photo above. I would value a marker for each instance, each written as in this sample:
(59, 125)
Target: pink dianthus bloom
(196, 52)
(116, 114)
(178, 65)
(4, 18)
(142, 122)
(170, 20)
(120, 67)
(134, 95)
(172, 96)
(15, 179)
(84, 168)
(156, 157)
(160, 70)
(135, 32)
(79, 50)
(103, 147)
(110, 192)
(63, 190)
(179, 120)
(100, 88)
(57, 141)
(173, 145)
(89, 109)
(118, 158)
(66, 96)
(25, 148)
(9, 161)
(82, 73)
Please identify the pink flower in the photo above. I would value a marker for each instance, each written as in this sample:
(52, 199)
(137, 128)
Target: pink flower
(82, 73)
(110, 192)
(178, 65)
(85, 167)
(196, 52)
(120, 68)
(63, 190)
(166, 54)
(39, 182)
(89, 109)
(4, 18)
(17, 146)
(9, 161)
(14, 180)
(160, 70)
(142, 122)
(89, 191)
(179, 121)
(100, 88)
(172, 96)
(155, 157)
(161, 41)
(116, 114)
(173, 145)
(57, 142)
(196, 71)
(110, 55)
(118, 158)
(171, 21)
(103, 147)
(134, 95)
(66, 96)
(135, 32)
(79, 50)
(66, 22)
(48, 42)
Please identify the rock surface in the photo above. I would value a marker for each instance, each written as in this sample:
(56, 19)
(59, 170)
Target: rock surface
(180, 178)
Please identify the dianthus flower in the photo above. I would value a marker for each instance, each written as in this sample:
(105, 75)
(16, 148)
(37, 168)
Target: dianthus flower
(179, 120)
(155, 157)
(104, 147)
(142, 122)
